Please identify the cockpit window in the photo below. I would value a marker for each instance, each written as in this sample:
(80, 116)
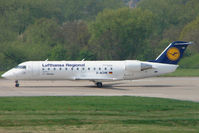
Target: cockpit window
(20, 67)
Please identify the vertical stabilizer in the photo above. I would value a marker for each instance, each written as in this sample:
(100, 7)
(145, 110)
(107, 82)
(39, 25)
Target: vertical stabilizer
(173, 53)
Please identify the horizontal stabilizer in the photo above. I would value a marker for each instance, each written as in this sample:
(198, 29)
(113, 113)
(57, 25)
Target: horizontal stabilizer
(145, 66)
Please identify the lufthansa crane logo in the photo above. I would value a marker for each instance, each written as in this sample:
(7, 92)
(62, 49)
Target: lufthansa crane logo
(173, 54)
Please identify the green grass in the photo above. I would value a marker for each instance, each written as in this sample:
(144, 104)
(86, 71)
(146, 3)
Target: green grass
(97, 114)
(190, 62)
(184, 73)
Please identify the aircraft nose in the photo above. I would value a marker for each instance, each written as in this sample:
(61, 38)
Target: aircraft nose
(8, 75)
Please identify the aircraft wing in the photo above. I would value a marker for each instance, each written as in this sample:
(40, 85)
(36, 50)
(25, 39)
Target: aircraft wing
(96, 78)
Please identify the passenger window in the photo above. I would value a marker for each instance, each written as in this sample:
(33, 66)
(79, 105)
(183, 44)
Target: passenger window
(54, 68)
(59, 68)
(82, 68)
(77, 68)
(105, 68)
(94, 68)
(66, 68)
(71, 68)
(99, 68)
(48, 68)
(88, 68)
(111, 68)
(43, 69)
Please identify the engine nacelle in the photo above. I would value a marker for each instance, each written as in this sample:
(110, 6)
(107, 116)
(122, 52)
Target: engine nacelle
(132, 66)
(136, 66)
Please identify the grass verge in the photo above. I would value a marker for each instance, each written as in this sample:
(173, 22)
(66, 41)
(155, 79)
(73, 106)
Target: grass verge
(97, 114)
(184, 73)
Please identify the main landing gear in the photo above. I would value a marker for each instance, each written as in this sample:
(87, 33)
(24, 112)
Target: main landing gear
(99, 84)
(16, 83)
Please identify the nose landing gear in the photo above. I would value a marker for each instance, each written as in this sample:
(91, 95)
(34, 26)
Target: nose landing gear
(16, 83)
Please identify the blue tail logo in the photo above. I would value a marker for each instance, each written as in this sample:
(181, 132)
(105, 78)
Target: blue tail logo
(173, 53)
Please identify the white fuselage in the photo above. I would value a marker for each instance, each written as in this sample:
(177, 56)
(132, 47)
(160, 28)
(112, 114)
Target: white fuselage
(97, 71)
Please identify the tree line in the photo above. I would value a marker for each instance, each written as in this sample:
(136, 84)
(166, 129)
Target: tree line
(93, 29)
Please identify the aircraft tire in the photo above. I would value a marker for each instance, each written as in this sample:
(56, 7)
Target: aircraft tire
(99, 84)
(16, 85)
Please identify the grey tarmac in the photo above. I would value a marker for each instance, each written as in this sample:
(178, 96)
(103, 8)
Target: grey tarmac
(182, 88)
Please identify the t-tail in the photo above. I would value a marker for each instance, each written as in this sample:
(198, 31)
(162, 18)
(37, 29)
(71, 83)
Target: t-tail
(173, 53)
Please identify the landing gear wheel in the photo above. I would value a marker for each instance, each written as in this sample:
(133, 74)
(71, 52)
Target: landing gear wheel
(99, 84)
(16, 83)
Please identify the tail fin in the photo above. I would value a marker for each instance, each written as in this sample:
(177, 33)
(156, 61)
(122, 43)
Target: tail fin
(173, 53)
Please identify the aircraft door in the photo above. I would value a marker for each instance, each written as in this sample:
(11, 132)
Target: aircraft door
(35, 69)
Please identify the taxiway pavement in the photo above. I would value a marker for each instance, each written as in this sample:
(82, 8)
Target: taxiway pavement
(183, 88)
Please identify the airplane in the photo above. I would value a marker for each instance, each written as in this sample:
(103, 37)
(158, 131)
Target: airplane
(99, 71)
